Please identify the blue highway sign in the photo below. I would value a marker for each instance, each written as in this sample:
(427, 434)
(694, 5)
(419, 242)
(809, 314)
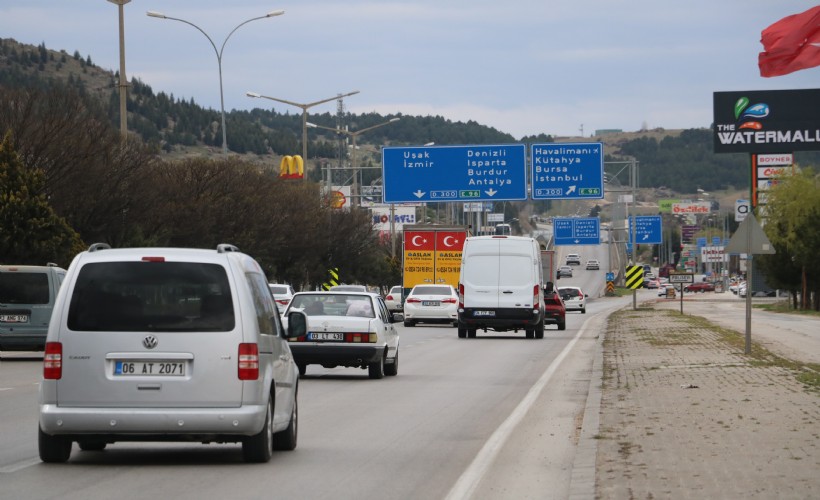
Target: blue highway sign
(577, 231)
(567, 171)
(647, 229)
(454, 173)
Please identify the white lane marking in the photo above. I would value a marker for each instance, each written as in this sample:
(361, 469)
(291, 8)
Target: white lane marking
(19, 465)
(467, 483)
(6, 388)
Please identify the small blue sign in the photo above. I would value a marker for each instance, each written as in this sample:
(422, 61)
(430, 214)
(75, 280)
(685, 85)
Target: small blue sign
(647, 229)
(454, 173)
(701, 242)
(567, 171)
(716, 241)
(577, 231)
(610, 276)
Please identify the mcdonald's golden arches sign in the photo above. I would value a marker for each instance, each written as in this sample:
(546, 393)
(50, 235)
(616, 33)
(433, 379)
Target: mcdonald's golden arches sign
(292, 167)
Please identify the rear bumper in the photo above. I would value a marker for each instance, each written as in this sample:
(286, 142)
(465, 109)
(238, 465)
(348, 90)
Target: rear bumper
(161, 424)
(335, 355)
(30, 341)
(501, 319)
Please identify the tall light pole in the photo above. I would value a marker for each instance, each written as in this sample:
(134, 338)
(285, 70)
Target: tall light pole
(355, 190)
(304, 108)
(123, 85)
(160, 15)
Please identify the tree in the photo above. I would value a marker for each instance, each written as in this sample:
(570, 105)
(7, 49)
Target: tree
(793, 225)
(30, 231)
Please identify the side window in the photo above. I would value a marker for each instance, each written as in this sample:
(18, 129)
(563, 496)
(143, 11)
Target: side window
(267, 316)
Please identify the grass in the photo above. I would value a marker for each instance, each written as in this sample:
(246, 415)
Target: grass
(785, 307)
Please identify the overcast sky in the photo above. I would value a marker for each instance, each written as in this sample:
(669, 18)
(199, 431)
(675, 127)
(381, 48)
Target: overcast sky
(522, 66)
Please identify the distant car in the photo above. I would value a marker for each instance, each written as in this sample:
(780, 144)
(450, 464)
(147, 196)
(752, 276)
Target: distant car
(593, 264)
(667, 291)
(703, 286)
(351, 329)
(431, 304)
(573, 259)
(393, 299)
(281, 294)
(555, 312)
(27, 295)
(651, 283)
(574, 298)
(349, 288)
(564, 272)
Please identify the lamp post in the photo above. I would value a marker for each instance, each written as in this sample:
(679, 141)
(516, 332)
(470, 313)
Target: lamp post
(304, 108)
(160, 15)
(123, 85)
(355, 189)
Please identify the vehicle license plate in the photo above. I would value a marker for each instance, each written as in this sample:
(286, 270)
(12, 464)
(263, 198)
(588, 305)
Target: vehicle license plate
(334, 337)
(13, 318)
(434, 303)
(149, 368)
(483, 313)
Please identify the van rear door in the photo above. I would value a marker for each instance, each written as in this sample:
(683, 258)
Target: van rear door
(517, 274)
(480, 273)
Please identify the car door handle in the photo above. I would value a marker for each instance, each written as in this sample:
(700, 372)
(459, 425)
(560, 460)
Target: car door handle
(507, 291)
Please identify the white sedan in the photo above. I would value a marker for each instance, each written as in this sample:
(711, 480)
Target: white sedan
(574, 298)
(431, 304)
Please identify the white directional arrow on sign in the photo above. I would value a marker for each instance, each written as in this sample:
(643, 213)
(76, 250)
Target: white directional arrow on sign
(491, 192)
(419, 193)
(570, 190)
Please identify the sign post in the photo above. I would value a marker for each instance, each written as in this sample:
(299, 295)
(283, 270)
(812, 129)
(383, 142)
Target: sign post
(682, 279)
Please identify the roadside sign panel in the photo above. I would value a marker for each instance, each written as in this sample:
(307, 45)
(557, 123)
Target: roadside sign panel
(449, 245)
(419, 259)
(577, 231)
(567, 170)
(454, 173)
(676, 278)
(647, 229)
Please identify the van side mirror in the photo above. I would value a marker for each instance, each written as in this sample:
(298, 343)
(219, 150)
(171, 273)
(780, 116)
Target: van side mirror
(297, 324)
(549, 286)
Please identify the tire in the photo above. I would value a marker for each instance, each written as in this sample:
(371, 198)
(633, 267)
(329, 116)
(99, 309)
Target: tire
(539, 330)
(455, 324)
(408, 323)
(462, 333)
(302, 369)
(530, 333)
(259, 448)
(376, 369)
(91, 445)
(392, 369)
(286, 440)
(562, 325)
(471, 333)
(584, 310)
(53, 449)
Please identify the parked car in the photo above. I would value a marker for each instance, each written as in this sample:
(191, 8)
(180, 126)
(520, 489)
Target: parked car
(27, 295)
(281, 294)
(574, 298)
(564, 272)
(393, 299)
(573, 259)
(651, 283)
(703, 286)
(167, 344)
(593, 264)
(431, 304)
(350, 329)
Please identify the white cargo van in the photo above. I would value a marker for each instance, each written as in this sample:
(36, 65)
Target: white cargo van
(500, 286)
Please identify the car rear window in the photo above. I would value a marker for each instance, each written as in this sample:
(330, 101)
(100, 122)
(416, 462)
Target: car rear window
(151, 296)
(334, 304)
(279, 290)
(24, 288)
(432, 290)
(569, 292)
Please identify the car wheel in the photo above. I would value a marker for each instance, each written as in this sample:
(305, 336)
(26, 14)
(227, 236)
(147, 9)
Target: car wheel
(462, 333)
(539, 330)
(583, 310)
(471, 333)
(302, 369)
(455, 324)
(258, 448)
(91, 445)
(376, 369)
(562, 325)
(392, 369)
(53, 449)
(286, 440)
(408, 323)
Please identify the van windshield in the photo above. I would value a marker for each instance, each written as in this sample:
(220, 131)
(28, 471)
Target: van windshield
(151, 296)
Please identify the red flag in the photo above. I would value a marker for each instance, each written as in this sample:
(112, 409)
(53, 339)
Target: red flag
(791, 44)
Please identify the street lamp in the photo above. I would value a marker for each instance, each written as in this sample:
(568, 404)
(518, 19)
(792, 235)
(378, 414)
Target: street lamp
(123, 85)
(304, 108)
(160, 15)
(355, 188)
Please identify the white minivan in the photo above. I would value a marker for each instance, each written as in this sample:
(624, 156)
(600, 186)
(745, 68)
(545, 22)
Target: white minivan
(501, 286)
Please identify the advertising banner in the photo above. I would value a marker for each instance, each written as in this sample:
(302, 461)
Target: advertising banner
(449, 245)
(712, 254)
(401, 216)
(419, 258)
(693, 207)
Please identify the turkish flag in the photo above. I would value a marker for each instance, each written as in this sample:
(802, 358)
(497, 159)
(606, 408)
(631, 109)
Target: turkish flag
(791, 44)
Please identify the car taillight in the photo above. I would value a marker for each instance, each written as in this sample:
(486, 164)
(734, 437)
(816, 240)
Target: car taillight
(53, 361)
(536, 290)
(451, 300)
(389, 297)
(358, 338)
(284, 302)
(413, 300)
(248, 361)
(460, 296)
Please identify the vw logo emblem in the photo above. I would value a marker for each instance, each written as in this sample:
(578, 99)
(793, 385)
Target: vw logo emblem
(150, 342)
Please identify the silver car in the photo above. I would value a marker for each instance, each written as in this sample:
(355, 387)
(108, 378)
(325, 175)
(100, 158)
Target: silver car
(167, 344)
(27, 296)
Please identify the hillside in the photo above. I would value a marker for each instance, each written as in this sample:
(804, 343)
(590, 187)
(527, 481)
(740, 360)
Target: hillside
(673, 161)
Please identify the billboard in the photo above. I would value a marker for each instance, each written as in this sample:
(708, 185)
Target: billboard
(692, 207)
(401, 216)
(767, 121)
